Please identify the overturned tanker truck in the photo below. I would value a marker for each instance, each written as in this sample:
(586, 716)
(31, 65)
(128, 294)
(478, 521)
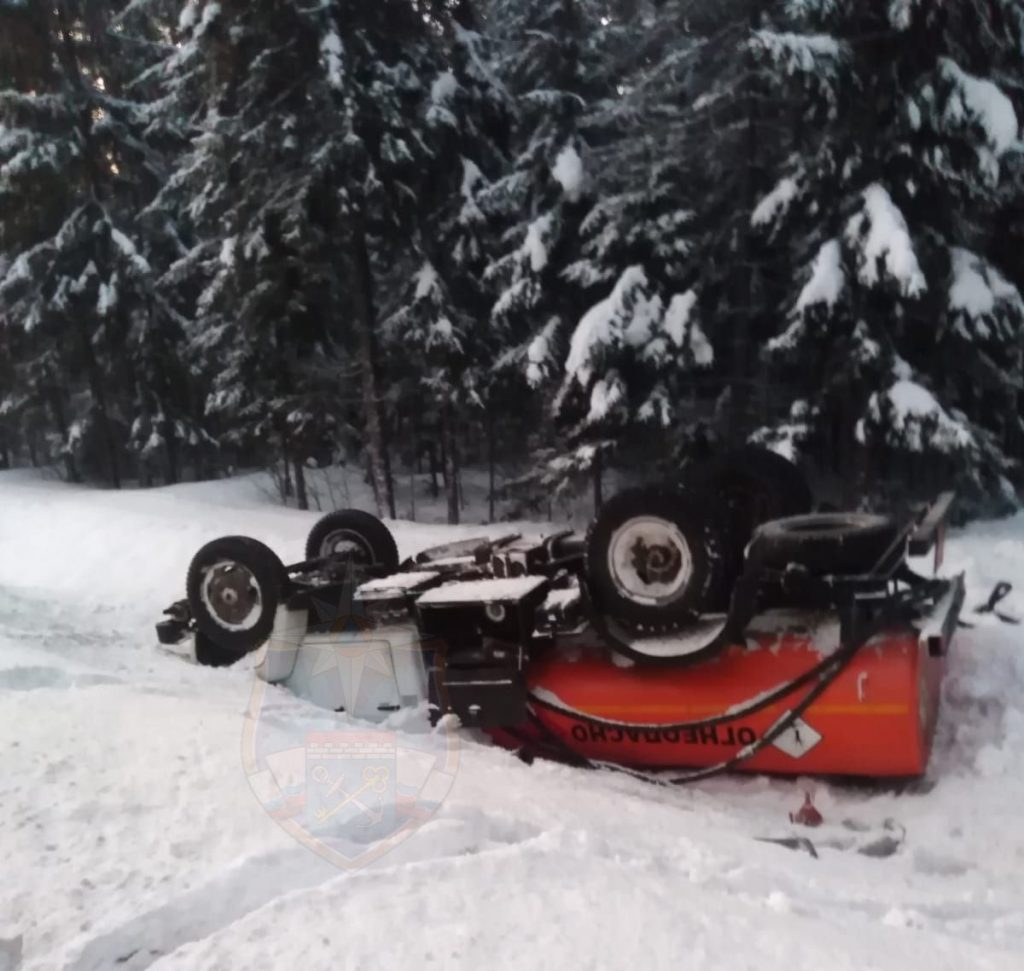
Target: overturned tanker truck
(715, 625)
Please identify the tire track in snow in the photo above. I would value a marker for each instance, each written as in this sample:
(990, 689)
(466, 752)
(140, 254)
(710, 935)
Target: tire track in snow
(227, 898)
(232, 896)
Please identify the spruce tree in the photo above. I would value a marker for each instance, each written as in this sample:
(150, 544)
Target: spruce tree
(441, 324)
(71, 176)
(673, 277)
(903, 337)
(547, 62)
(305, 163)
(633, 352)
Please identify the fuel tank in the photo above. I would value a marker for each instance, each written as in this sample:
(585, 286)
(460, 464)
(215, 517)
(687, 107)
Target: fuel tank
(876, 719)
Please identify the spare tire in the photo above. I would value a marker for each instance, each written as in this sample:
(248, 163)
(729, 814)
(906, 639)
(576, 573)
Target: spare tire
(842, 543)
(234, 586)
(352, 535)
(652, 559)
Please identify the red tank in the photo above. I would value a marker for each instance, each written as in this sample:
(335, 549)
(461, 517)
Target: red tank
(876, 718)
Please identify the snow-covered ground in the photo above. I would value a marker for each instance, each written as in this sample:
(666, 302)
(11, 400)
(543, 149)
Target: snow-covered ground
(130, 837)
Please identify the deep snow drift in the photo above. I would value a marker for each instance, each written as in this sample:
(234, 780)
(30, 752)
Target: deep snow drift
(130, 837)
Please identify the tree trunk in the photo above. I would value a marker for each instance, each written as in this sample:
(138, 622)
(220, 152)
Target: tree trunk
(301, 496)
(107, 434)
(286, 481)
(490, 465)
(414, 469)
(60, 420)
(451, 473)
(845, 458)
(99, 396)
(745, 273)
(435, 487)
(458, 482)
(171, 449)
(389, 478)
(168, 426)
(363, 321)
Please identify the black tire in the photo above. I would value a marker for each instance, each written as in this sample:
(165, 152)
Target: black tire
(351, 534)
(844, 543)
(749, 486)
(767, 485)
(621, 564)
(248, 575)
(210, 654)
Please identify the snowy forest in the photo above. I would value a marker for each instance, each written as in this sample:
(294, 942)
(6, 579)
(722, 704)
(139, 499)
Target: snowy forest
(556, 239)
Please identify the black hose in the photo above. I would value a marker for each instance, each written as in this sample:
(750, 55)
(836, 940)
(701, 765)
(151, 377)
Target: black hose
(750, 708)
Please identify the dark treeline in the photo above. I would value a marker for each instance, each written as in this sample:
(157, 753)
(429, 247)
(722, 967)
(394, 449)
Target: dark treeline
(571, 236)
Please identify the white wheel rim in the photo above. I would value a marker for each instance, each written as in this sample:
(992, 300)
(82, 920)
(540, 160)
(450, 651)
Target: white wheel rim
(231, 595)
(649, 560)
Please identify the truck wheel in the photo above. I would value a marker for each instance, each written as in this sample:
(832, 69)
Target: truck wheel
(756, 481)
(652, 560)
(749, 486)
(212, 655)
(355, 536)
(843, 543)
(234, 585)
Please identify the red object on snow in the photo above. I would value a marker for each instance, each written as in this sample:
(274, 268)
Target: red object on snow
(807, 814)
